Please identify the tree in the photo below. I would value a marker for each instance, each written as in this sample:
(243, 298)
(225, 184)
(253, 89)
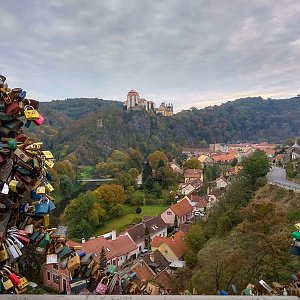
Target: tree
(190, 258)
(192, 163)
(195, 238)
(134, 159)
(156, 159)
(102, 259)
(234, 162)
(165, 176)
(256, 165)
(290, 171)
(111, 193)
(147, 172)
(91, 215)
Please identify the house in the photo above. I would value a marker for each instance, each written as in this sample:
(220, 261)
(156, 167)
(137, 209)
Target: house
(186, 189)
(156, 227)
(205, 160)
(156, 261)
(199, 203)
(218, 147)
(191, 187)
(175, 167)
(173, 248)
(164, 280)
(195, 152)
(165, 109)
(223, 158)
(221, 182)
(182, 210)
(143, 272)
(192, 174)
(56, 278)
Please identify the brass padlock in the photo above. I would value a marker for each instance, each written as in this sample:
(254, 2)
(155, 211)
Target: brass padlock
(3, 253)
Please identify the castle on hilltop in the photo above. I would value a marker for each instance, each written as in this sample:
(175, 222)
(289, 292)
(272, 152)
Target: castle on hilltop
(134, 102)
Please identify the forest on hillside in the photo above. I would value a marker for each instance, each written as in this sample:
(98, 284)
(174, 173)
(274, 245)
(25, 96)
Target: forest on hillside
(92, 128)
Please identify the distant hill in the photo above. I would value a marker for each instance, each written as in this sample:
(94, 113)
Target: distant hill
(92, 128)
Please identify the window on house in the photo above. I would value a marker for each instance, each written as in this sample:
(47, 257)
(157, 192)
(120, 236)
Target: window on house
(48, 275)
(55, 266)
(169, 213)
(55, 278)
(166, 251)
(64, 285)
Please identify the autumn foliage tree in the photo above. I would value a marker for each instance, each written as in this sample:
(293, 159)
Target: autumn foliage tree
(111, 193)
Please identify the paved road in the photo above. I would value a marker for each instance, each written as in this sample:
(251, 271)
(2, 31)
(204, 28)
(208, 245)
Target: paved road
(277, 177)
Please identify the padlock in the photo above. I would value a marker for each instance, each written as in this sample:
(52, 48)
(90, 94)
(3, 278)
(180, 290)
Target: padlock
(51, 258)
(13, 108)
(41, 190)
(13, 94)
(22, 155)
(47, 154)
(46, 220)
(6, 282)
(12, 250)
(49, 187)
(17, 243)
(30, 113)
(39, 121)
(29, 228)
(12, 276)
(3, 253)
(45, 241)
(49, 163)
(23, 284)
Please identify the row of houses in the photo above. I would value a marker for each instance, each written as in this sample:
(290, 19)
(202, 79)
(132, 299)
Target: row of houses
(127, 250)
(226, 153)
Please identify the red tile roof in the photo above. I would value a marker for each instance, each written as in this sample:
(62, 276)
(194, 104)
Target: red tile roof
(223, 157)
(143, 271)
(157, 241)
(118, 247)
(181, 208)
(176, 244)
(123, 245)
(164, 279)
(192, 173)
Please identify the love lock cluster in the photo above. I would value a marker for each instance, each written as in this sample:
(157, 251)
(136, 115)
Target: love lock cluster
(25, 185)
(26, 204)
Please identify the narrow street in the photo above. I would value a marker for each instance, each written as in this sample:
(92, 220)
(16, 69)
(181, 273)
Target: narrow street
(277, 177)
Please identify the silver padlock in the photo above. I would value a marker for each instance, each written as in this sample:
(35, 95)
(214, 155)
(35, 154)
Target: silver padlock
(12, 251)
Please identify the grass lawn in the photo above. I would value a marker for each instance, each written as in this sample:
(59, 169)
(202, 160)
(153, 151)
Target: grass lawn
(121, 223)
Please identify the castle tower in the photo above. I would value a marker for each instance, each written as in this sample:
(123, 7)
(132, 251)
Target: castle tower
(133, 99)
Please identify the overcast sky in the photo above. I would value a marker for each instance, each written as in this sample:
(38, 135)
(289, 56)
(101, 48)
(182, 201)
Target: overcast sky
(190, 53)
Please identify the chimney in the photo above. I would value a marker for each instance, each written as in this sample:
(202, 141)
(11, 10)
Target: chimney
(113, 235)
(82, 240)
(208, 190)
(173, 240)
(152, 256)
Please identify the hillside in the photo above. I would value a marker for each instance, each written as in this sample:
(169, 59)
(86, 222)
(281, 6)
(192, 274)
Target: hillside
(257, 248)
(92, 128)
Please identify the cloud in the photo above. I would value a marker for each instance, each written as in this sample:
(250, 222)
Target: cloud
(191, 53)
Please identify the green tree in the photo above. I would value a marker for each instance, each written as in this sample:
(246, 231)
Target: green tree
(102, 259)
(195, 238)
(91, 215)
(147, 172)
(290, 171)
(190, 258)
(256, 165)
(192, 163)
